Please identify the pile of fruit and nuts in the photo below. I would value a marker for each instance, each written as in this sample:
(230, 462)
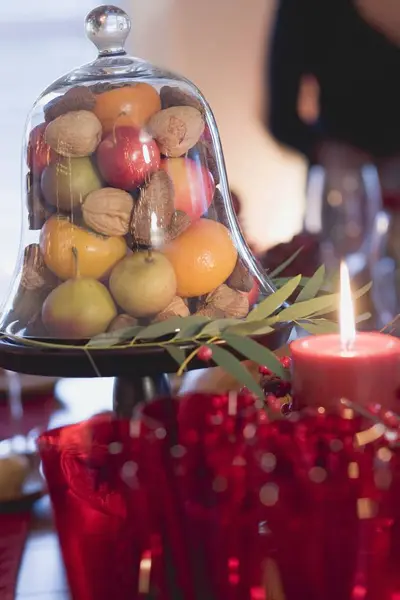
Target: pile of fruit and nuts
(122, 184)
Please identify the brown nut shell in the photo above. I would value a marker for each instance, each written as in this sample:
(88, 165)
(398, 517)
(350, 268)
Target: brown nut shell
(176, 308)
(108, 211)
(176, 129)
(122, 322)
(179, 223)
(240, 279)
(77, 98)
(153, 211)
(229, 301)
(74, 134)
(35, 274)
(38, 212)
(173, 96)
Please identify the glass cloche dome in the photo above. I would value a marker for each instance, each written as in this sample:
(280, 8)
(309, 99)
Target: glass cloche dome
(127, 211)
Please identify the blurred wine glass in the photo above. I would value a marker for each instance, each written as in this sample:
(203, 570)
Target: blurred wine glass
(344, 208)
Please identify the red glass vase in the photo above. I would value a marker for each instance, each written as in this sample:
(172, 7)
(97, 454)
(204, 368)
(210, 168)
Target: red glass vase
(99, 506)
(224, 504)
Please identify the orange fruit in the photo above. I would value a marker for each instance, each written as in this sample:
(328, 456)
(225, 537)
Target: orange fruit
(129, 106)
(203, 257)
(96, 254)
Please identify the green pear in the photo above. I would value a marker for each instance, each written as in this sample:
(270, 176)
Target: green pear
(66, 182)
(143, 284)
(78, 308)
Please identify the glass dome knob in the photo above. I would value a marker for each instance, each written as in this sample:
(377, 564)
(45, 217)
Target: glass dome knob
(108, 27)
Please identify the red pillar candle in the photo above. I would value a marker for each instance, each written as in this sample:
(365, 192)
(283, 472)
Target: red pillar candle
(363, 368)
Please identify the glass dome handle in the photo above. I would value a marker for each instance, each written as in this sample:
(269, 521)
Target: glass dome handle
(108, 27)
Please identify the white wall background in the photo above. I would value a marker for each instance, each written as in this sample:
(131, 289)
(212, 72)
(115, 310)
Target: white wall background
(219, 44)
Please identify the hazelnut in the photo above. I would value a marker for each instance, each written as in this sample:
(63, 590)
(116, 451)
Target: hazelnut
(74, 134)
(176, 129)
(108, 211)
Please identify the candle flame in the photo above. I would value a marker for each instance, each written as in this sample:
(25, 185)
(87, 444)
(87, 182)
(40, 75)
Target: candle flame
(347, 320)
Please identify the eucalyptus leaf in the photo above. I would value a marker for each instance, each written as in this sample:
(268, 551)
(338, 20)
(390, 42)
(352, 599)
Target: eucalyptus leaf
(114, 338)
(252, 328)
(254, 351)
(218, 326)
(229, 363)
(308, 308)
(274, 301)
(363, 317)
(319, 326)
(285, 264)
(280, 281)
(313, 286)
(192, 326)
(176, 353)
(158, 330)
(362, 291)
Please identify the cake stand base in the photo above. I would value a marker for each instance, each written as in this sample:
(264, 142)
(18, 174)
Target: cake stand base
(130, 391)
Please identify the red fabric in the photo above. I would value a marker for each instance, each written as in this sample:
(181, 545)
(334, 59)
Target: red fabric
(14, 530)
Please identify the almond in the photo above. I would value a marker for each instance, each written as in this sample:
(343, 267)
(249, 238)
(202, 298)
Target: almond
(108, 211)
(176, 129)
(176, 308)
(74, 134)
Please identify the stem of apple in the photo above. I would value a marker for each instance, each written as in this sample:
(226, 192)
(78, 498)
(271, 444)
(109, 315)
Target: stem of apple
(149, 257)
(121, 114)
(74, 251)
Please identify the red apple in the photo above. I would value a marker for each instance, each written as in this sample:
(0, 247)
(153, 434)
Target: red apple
(193, 184)
(127, 156)
(39, 154)
(254, 293)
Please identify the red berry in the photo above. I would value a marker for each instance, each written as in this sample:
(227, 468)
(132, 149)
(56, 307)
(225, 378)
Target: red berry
(286, 362)
(274, 403)
(204, 353)
(264, 371)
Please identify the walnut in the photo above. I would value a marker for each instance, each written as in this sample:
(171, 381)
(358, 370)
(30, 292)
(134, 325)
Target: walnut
(108, 211)
(179, 223)
(173, 96)
(122, 322)
(77, 98)
(230, 302)
(240, 279)
(74, 134)
(176, 129)
(35, 274)
(153, 211)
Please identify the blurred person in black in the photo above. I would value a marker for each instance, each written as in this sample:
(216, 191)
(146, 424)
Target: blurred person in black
(334, 95)
(334, 81)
